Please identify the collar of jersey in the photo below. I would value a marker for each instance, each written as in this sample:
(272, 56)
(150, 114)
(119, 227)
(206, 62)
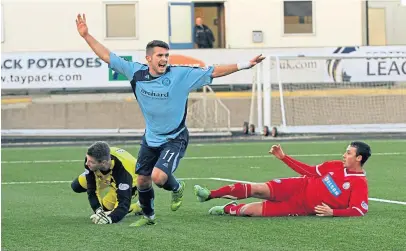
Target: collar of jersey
(153, 78)
(346, 174)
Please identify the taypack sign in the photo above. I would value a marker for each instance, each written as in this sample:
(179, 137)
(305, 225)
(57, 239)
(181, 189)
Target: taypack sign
(51, 70)
(70, 70)
(58, 70)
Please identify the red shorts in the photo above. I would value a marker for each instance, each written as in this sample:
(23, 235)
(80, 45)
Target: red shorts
(287, 198)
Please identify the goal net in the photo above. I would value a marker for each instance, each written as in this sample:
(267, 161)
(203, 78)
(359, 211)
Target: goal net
(207, 113)
(332, 94)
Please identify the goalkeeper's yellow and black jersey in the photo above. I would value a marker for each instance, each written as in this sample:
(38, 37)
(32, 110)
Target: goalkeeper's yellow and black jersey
(121, 176)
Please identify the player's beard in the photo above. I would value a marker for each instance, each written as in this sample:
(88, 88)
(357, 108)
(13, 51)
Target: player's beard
(158, 71)
(161, 70)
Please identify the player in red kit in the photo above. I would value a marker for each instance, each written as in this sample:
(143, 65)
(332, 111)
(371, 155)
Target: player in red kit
(333, 188)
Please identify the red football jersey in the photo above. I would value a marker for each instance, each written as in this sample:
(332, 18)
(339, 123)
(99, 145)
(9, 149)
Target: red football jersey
(330, 183)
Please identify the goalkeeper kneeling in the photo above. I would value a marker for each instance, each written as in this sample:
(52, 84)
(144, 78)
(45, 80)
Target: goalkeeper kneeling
(109, 168)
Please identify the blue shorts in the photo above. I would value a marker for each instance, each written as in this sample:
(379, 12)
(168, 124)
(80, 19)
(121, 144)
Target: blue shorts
(165, 157)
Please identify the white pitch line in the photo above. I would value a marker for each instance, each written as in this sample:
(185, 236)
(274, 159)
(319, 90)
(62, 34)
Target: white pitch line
(68, 181)
(36, 182)
(203, 157)
(217, 179)
(388, 201)
(41, 161)
(209, 144)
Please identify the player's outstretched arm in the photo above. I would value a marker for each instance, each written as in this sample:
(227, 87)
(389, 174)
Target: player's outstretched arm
(224, 70)
(102, 52)
(297, 166)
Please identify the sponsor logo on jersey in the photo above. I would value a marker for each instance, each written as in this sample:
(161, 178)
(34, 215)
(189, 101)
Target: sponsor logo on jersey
(346, 185)
(155, 94)
(277, 180)
(331, 185)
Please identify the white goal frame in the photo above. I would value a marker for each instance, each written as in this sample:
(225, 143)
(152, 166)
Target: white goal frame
(263, 77)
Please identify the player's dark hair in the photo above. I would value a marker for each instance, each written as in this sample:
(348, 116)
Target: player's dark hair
(156, 43)
(99, 150)
(363, 149)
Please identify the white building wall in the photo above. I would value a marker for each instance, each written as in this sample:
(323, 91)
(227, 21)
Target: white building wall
(336, 23)
(395, 15)
(50, 26)
(38, 25)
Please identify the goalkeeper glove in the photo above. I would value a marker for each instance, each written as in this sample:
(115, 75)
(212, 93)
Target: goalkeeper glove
(100, 217)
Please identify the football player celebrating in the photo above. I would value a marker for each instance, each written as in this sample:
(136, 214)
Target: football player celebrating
(162, 91)
(113, 168)
(333, 188)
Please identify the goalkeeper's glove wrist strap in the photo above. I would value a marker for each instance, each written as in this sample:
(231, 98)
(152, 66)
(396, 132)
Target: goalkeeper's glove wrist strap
(99, 210)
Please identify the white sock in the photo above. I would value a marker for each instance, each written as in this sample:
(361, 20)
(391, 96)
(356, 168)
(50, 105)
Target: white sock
(177, 190)
(152, 217)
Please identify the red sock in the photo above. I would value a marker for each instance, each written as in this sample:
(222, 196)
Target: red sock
(236, 191)
(233, 209)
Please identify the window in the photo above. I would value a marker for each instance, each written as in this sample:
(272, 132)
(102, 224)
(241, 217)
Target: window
(298, 17)
(121, 20)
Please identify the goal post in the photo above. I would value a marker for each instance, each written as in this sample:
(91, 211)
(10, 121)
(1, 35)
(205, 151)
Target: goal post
(207, 114)
(341, 93)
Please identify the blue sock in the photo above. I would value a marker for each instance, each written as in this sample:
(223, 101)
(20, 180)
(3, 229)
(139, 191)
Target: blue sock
(172, 184)
(146, 198)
